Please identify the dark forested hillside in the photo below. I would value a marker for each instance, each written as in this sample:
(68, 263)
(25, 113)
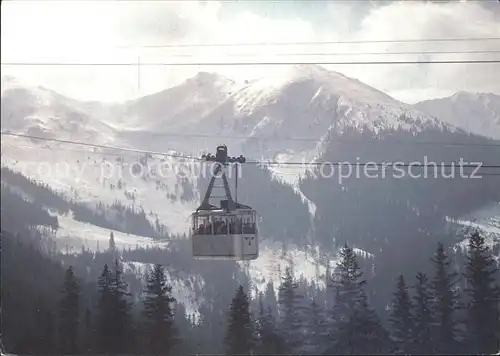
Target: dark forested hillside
(368, 210)
(118, 217)
(16, 212)
(30, 289)
(395, 216)
(40, 193)
(17, 190)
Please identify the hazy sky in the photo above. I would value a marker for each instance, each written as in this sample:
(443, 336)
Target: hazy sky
(92, 32)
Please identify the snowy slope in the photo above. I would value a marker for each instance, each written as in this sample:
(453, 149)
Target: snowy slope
(474, 112)
(87, 176)
(176, 109)
(296, 109)
(269, 267)
(72, 235)
(84, 176)
(486, 220)
(39, 111)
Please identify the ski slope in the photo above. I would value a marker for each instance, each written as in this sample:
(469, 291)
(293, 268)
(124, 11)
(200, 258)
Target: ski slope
(72, 235)
(88, 176)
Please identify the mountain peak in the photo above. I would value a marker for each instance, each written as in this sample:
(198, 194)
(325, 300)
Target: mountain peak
(462, 94)
(310, 69)
(208, 78)
(339, 83)
(9, 79)
(10, 82)
(317, 72)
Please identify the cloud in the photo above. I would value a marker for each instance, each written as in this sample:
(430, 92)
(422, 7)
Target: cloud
(161, 22)
(418, 20)
(92, 31)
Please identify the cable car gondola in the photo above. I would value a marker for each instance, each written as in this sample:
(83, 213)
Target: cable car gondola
(228, 231)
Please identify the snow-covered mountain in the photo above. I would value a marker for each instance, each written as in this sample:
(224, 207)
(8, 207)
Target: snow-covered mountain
(265, 116)
(38, 111)
(288, 116)
(474, 112)
(179, 108)
(292, 112)
(303, 112)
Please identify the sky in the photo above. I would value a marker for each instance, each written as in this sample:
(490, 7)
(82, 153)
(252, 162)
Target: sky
(124, 32)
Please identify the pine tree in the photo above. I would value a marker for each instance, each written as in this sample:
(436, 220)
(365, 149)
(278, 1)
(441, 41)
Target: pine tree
(239, 334)
(270, 297)
(316, 331)
(401, 317)
(69, 319)
(87, 332)
(184, 326)
(293, 312)
(483, 314)
(423, 320)
(330, 289)
(445, 302)
(49, 333)
(44, 329)
(113, 312)
(159, 328)
(120, 311)
(112, 244)
(355, 328)
(260, 322)
(269, 341)
(104, 330)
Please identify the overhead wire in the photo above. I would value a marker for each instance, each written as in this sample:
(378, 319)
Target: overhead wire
(125, 149)
(312, 139)
(343, 53)
(159, 64)
(298, 43)
(242, 138)
(306, 43)
(262, 162)
(226, 1)
(270, 163)
(56, 148)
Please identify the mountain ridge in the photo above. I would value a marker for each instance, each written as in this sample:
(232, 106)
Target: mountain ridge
(475, 112)
(259, 118)
(203, 94)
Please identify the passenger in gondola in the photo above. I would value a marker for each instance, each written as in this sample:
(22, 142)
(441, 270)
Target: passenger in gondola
(220, 227)
(231, 225)
(245, 225)
(217, 226)
(238, 225)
